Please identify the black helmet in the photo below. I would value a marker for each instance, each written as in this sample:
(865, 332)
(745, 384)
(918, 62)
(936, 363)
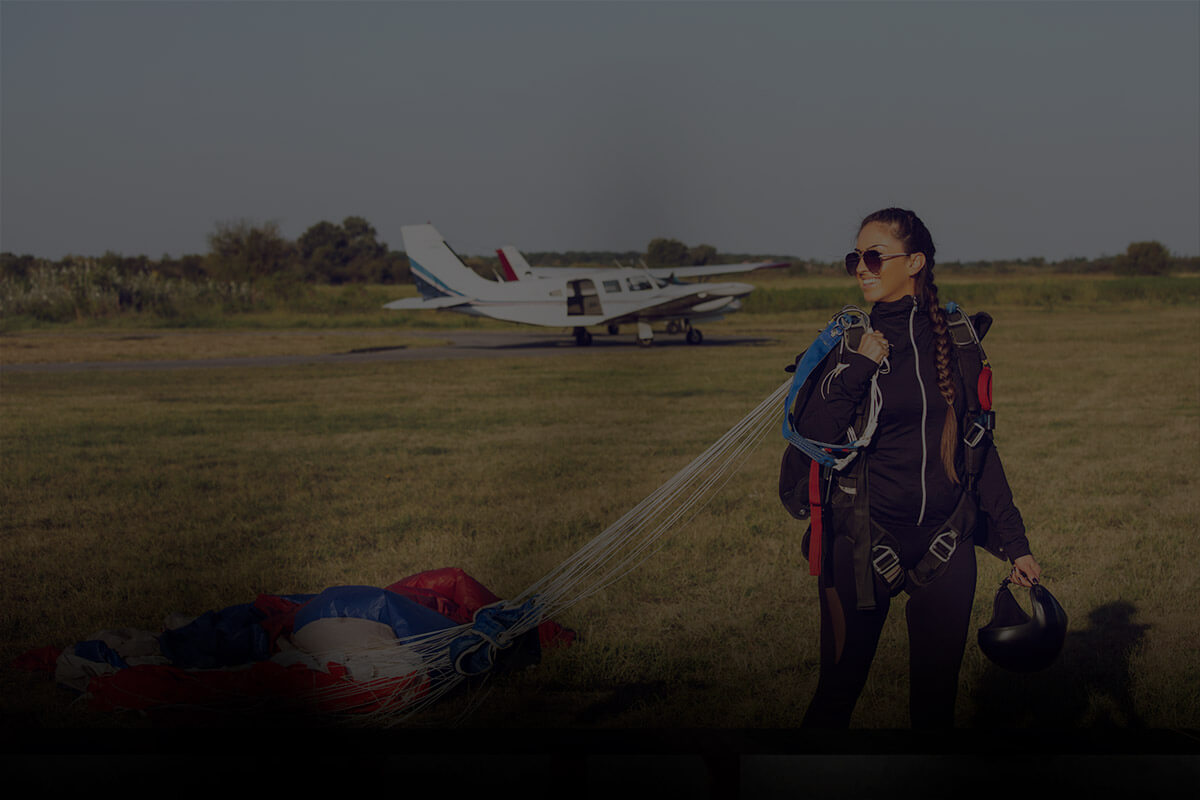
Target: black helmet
(1018, 642)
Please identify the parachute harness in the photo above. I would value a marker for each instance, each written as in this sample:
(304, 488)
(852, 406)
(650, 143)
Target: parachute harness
(826, 458)
(836, 456)
(962, 331)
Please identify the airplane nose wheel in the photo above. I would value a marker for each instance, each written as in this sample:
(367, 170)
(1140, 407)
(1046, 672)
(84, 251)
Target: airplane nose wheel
(694, 336)
(582, 337)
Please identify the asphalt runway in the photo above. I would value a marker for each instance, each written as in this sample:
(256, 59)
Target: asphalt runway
(462, 344)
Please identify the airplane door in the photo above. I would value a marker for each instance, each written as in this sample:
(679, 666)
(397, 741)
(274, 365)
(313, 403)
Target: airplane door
(583, 299)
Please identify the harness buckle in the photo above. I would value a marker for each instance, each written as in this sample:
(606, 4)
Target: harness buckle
(944, 545)
(985, 422)
(886, 562)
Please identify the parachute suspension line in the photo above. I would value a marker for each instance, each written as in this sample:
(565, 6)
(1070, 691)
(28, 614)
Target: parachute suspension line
(832, 455)
(600, 562)
(629, 541)
(606, 558)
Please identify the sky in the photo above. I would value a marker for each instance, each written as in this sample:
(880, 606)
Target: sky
(1014, 129)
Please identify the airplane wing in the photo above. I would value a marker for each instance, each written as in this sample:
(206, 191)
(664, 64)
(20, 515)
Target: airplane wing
(661, 273)
(698, 302)
(422, 304)
(667, 273)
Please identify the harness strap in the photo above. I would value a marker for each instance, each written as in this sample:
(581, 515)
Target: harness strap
(972, 361)
(848, 325)
(817, 525)
(955, 531)
(874, 550)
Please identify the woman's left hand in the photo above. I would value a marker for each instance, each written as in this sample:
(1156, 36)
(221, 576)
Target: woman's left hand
(1025, 571)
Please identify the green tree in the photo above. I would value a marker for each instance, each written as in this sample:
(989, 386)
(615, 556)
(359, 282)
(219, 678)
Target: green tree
(242, 251)
(347, 253)
(1144, 258)
(702, 254)
(666, 253)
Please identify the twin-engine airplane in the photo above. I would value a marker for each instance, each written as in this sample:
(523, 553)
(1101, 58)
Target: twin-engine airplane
(570, 297)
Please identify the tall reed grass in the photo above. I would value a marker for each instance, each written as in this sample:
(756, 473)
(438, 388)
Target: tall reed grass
(86, 289)
(1060, 291)
(92, 291)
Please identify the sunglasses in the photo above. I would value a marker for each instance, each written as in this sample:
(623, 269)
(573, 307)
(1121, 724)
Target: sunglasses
(873, 259)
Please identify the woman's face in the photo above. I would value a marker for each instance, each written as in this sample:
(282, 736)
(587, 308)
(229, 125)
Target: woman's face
(896, 278)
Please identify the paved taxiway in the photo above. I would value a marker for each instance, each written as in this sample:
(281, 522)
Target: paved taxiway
(462, 344)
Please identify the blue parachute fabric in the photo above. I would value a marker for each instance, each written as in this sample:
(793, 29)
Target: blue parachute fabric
(826, 340)
(101, 653)
(217, 639)
(474, 652)
(405, 617)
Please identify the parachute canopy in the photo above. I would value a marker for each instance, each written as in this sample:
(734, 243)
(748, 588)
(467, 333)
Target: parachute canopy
(332, 651)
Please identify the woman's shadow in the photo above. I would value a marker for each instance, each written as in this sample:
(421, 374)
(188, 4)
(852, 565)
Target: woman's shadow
(1088, 686)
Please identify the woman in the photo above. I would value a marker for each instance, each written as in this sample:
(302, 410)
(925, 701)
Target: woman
(914, 475)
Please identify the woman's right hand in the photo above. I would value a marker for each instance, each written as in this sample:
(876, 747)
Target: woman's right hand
(874, 346)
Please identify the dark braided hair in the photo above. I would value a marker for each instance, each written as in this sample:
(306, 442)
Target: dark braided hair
(912, 233)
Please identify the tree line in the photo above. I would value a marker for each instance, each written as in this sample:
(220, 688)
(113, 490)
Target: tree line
(350, 252)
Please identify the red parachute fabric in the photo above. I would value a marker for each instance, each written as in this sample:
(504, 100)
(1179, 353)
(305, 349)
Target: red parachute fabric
(263, 684)
(43, 659)
(452, 592)
(449, 591)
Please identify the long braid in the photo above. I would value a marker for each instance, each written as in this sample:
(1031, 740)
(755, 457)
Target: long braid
(909, 229)
(943, 351)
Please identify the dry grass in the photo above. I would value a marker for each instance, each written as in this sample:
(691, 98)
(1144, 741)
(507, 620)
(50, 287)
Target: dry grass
(129, 496)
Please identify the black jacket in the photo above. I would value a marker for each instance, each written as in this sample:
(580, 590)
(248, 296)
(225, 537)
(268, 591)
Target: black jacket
(908, 485)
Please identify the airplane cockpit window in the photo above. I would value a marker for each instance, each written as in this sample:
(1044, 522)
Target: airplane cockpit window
(638, 284)
(612, 286)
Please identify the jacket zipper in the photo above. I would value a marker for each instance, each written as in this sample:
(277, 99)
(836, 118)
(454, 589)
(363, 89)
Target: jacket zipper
(924, 408)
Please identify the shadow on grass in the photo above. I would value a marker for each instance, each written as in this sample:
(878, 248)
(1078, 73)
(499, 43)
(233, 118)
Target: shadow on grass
(1089, 686)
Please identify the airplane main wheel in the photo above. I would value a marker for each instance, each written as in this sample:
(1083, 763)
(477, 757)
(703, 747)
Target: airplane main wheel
(694, 336)
(582, 337)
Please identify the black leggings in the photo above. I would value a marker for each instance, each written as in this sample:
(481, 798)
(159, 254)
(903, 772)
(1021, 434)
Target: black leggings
(938, 616)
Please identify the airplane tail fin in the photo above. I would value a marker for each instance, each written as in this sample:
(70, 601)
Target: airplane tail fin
(436, 268)
(509, 273)
(516, 268)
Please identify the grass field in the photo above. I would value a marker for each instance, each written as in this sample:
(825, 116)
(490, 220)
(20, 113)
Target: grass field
(127, 496)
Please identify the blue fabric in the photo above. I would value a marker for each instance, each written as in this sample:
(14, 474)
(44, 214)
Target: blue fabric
(217, 639)
(235, 636)
(96, 650)
(474, 652)
(404, 616)
(813, 356)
